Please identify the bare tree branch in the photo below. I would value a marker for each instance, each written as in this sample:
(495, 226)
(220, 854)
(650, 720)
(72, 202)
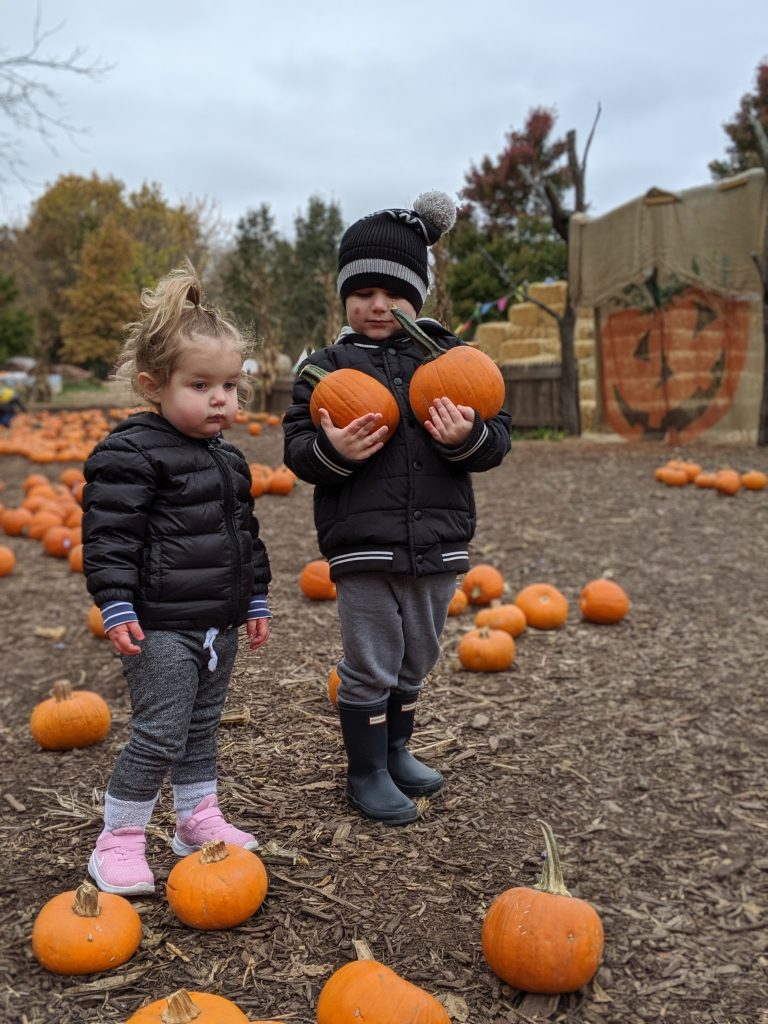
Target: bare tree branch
(27, 99)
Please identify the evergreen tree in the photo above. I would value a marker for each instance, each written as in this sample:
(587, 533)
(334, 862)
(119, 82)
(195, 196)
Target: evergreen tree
(17, 326)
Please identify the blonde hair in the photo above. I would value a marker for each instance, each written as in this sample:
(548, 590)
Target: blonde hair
(173, 317)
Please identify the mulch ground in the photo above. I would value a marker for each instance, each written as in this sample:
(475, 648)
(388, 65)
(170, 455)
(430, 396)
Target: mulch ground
(643, 744)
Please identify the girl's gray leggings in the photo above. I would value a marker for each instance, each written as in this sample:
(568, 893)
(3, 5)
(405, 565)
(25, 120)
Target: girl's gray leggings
(176, 702)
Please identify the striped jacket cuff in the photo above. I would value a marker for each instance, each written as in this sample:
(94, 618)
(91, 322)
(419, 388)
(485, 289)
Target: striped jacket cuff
(117, 613)
(259, 607)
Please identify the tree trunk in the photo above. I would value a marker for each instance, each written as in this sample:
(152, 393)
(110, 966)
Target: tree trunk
(569, 380)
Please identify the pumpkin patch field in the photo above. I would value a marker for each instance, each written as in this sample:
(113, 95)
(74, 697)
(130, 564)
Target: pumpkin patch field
(640, 741)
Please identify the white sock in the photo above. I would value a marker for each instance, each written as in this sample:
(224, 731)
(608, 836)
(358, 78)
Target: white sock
(186, 797)
(127, 813)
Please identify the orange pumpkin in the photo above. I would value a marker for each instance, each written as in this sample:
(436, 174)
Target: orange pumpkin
(541, 938)
(75, 558)
(365, 990)
(218, 886)
(70, 718)
(705, 480)
(508, 617)
(347, 394)
(604, 602)
(670, 367)
(334, 682)
(57, 541)
(672, 476)
(254, 429)
(543, 605)
(14, 520)
(728, 482)
(281, 480)
(754, 480)
(85, 931)
(464, 374)
(315, 581)
(95, 621)
(486, 650)
(184, 1007)
(7, 560)
(459, 603)
(482, 584)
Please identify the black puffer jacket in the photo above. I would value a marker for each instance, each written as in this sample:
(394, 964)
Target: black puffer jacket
(410, 507)
(169, 526)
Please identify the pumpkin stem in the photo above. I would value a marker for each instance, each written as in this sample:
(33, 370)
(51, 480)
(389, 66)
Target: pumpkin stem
(86, 902)
(551, 879)
(62, 690)
(181, 1009)
(422, 339)
(211, 853)
(313, 374)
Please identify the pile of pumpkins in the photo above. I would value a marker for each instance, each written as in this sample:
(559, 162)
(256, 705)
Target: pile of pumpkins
(490, 645)
(726, 481)
(50, 513)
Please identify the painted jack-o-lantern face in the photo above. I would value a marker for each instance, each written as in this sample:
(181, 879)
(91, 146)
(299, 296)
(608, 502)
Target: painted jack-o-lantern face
(673, 372)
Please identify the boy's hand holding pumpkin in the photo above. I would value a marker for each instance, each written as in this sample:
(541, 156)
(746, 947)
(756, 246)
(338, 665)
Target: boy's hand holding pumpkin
(360, 439)
(449, 424)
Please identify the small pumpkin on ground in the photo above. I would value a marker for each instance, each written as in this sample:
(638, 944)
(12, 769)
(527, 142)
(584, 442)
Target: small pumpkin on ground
(184, 1007)
(281, 481)
(95, 621)
(70, 718)
(486, 650)
(672, 476)
(365, 990)
(754, 480)
(727, 482)
(315, 581)
(7, 560)
(603, 602)
(334, 682)
(705, 480)
(508, 617)
(85, 931)
(218, 886)
(541, 938)
(543, 605)
(482, 584)
(459, 603)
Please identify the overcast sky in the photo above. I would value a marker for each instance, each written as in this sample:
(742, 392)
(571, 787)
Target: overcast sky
(368, 104)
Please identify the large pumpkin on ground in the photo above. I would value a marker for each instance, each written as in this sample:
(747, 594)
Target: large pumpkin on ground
(218, 886)
(86, 931)
(671, 364)
(367, 991)
(541, 938)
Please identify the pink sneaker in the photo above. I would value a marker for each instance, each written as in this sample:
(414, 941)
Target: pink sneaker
(118, 864)
(205, 824)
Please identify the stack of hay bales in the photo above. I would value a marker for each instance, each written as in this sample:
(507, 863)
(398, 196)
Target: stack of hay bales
(529, 336)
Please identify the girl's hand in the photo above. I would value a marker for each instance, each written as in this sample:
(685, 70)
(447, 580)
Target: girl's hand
(122, 637)
(449, 424)
(258, 632)
(360, 439)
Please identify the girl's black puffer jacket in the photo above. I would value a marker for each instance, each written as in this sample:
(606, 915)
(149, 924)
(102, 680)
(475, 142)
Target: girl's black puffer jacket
(168, 525)
(410, 507)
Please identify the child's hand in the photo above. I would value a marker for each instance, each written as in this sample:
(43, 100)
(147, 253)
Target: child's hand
(449, 424)
(258, 633)
(122, 637)
(360, 439)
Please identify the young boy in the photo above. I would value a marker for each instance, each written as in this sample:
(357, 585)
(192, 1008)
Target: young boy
(394, 515)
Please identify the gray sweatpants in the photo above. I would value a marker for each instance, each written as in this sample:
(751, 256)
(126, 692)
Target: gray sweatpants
(390, 632)
(176, 702)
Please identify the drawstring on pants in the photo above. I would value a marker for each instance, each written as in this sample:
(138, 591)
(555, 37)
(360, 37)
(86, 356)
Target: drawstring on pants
(210, 636)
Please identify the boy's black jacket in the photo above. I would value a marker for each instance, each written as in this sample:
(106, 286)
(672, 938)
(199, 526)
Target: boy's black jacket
(168, 524)
(410, 507)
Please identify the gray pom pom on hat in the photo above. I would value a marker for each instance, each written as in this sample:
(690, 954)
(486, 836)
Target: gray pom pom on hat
(438, 208)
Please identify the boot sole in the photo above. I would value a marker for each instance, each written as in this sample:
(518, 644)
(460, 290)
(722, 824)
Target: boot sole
(395, 818)
(419, 790)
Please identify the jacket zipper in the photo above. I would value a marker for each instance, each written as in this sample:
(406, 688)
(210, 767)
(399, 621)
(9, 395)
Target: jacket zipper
(228, 516)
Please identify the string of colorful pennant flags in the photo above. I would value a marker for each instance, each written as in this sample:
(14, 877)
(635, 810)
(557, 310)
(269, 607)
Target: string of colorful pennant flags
(481, 308)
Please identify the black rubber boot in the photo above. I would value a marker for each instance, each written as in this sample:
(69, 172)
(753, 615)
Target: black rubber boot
(408, 773)
(370, 788)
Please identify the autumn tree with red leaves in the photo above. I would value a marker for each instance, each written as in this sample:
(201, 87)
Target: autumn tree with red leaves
(529, 179)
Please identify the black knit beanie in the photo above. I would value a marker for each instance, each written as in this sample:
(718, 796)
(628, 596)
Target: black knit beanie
(388, 249)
